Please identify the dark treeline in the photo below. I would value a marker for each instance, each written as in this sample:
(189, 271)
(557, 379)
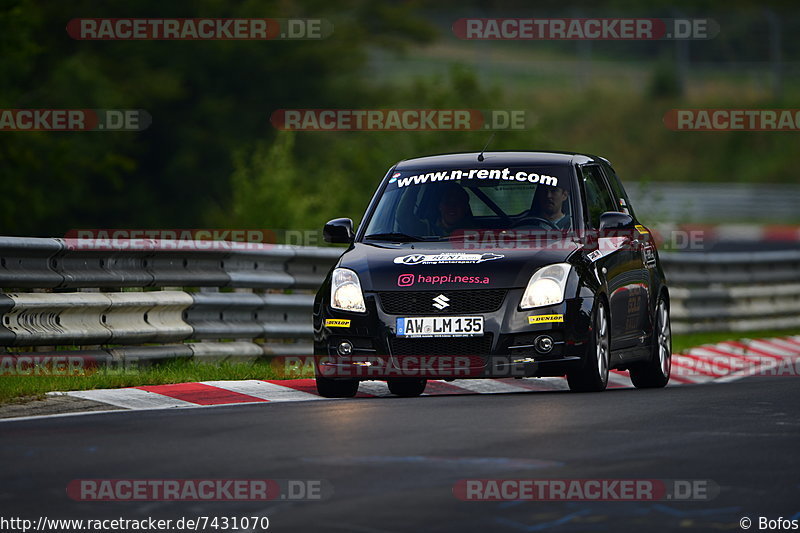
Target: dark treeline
(212, 158)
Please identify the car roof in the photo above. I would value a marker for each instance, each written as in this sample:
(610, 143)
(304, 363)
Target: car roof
(494, 159)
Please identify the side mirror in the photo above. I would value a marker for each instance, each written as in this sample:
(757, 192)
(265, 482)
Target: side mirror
(338, 230)
(612, 221)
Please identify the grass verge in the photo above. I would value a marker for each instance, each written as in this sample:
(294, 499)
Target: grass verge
(15, 389)
(681, 343)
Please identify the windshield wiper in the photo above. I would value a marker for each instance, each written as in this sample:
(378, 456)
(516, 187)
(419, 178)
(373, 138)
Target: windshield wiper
(394, 237)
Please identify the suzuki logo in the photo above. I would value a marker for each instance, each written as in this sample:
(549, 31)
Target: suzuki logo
(440, 302)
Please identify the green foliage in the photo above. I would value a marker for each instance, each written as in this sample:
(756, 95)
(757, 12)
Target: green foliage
(268, 187)
(207, 100)
(301, 180)
(211, 156)
(665, 82)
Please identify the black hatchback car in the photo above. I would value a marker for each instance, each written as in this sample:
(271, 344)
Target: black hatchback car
(503, 264)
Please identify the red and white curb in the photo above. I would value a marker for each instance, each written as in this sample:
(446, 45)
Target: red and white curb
(717, 363)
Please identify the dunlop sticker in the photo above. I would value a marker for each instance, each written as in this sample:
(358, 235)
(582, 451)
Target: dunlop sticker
(337, 323)
(541, 319)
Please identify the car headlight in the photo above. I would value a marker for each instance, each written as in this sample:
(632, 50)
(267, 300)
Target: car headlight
(546, 286)
(346, 292)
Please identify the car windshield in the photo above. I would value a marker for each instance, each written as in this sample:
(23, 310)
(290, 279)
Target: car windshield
(437, 204)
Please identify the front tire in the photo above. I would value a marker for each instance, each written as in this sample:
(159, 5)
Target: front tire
(337, 388)
(407, 387)
(655, 373)
(593, 376)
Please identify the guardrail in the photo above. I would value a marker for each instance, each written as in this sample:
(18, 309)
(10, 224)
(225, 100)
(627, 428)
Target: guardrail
(733, 291)
(151, 300)
(714, 202)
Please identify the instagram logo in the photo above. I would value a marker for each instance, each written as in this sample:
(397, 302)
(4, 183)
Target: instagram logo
(405, 280)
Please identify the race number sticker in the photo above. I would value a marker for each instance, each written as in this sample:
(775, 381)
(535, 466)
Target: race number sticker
(649, 255)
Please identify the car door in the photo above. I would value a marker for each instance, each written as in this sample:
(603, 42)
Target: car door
(643, 261)
(617, 265)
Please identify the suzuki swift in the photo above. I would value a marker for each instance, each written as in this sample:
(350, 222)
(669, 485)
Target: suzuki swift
(503, 264)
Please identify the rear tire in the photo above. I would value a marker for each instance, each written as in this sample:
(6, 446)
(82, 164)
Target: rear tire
(593, 376)
(655, 373)
(407, 387)
(337, 388)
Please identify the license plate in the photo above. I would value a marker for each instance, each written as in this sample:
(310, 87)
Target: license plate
(440, 326)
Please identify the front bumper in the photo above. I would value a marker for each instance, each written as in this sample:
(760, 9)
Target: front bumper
(507, 349)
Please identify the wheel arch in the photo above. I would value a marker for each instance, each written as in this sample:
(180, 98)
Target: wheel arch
(603, 297)
(664, 292)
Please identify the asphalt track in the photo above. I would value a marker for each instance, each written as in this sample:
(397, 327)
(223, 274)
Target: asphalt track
(392, 463)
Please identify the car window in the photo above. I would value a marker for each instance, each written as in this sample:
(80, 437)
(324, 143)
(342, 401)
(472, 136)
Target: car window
(620, 197)
(512, 199)
(598, 197)
(432, 204)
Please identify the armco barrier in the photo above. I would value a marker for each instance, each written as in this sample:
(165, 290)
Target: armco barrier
(159, 302)
(232, 303)
(28, 263)
(733, 291)
(715, 202)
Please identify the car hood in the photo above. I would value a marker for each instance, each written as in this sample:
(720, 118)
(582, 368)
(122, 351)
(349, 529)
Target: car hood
(433, 266)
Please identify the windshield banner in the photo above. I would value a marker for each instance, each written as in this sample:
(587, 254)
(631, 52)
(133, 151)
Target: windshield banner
(480, 174)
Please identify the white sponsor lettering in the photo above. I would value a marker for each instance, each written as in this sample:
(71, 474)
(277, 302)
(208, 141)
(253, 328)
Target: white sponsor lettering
(454, 257)
(481, 174)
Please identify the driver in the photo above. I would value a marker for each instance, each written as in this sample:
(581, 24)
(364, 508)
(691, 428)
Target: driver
(454, 210)
(548, 203)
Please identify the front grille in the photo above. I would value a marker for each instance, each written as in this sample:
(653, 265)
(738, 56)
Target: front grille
(442, 346)
(421, 302)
